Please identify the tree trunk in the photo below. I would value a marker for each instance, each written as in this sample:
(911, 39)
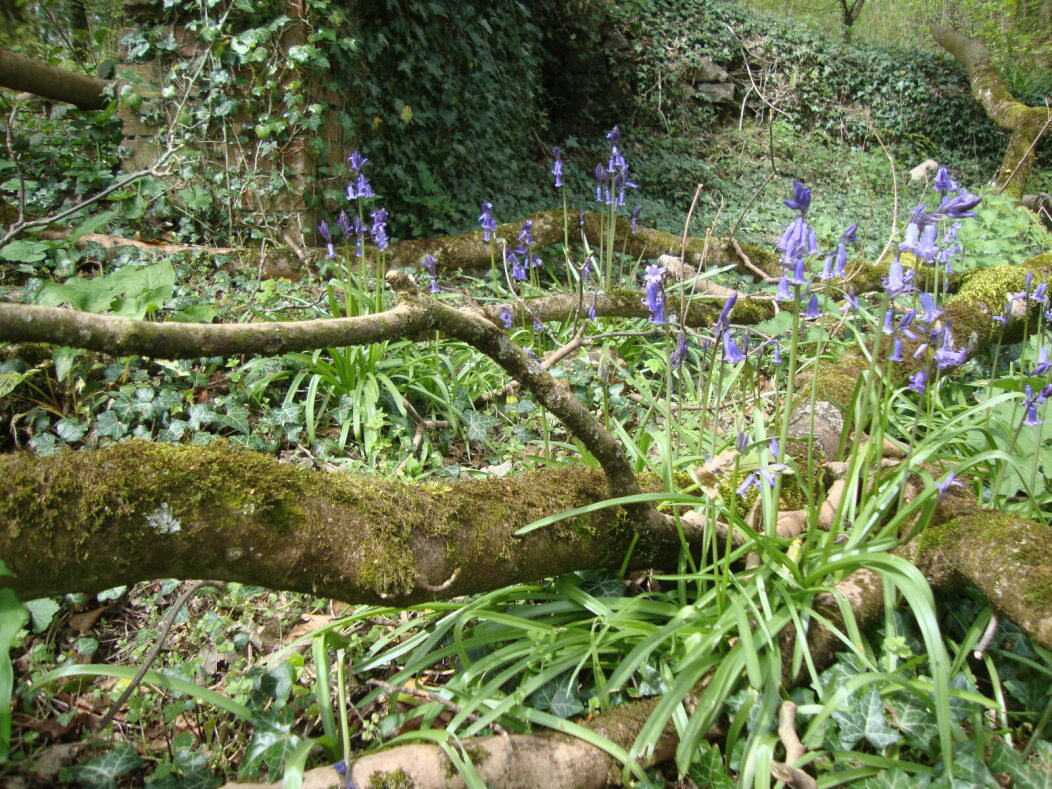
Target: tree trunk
(1026, 124)
(21, 73)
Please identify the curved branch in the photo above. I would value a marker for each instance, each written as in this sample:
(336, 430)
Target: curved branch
(1025, 123)
(21, 73)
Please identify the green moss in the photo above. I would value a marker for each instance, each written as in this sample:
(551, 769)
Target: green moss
(391, 779)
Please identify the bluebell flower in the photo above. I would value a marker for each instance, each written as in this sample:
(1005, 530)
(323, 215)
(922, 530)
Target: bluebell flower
(602, 185)
(591, 310)
(557, 167)
(653, 281)
(797, 273)
(518, 268)
(429, 263)
(323, 230)
(505, 316)
(635, 217)
(766, 474)
(946, 484)
(904, 324)
(526, 232)
(783, 293)
(798, 241)
(947, 356)
(614, 135)
(724, 321)
(680, 353)
(1040, 290)
(537, 325)
(357, 161)
(889, 321)
(918, 381)
(850, 303)
(487, 222)
(897, 282)
(344, 223)
(1043, 363)
(731, 353)
(741, 443)
(801, 199)
(813, 311)
(379, 229)
(581, 216)
(776, 357)
(359, 234)
(586, 267)
(620, 183)
(1030, 418)
(960, 206)
(931, 312)
(896, 354)
(943, 182)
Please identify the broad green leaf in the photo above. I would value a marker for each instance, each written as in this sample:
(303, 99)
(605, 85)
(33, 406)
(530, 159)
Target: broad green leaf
(196, 313)
(92, 224)
(103, 771)
(10, 381)
(913, 719)
(41, 612)
(894, 779)
(24, 251)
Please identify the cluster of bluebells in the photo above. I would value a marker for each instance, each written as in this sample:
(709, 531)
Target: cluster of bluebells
(922, 237)
(611, 179)
(358, 189)
(766, 474)
(523, 259)
(797, 244)
(429, 266)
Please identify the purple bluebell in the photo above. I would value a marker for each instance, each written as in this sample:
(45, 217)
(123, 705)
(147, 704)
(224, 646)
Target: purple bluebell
(344, 223)
(946, 484)
(586, 267)
(620, 182)
(653, 281)
(323, 230)
(839, 260)
(741, 443)
(591, 310)
(429, 265)
(680, 352)
(379, 229)
(801, 199)
(960, 206)
(505, 316)
(1030, 418)
(850, 303)
(931, 312)
(918, 381)
(731, 352)
(896, 354)
(635, 218)
(813, 311)
(724, 321)
(889, 322)
(943, 182)
(602, 185)
(904, 324)
(947, 356)
(526, 232)
(1040, 291)
(359, 234)
(898, 282)
(357, 161)
(776, 357)
(798, 241)
(487, 222)
(783, 293)
(1043, 363)
(538, 326)
(764, 475)
(557, 167)
(518, 268)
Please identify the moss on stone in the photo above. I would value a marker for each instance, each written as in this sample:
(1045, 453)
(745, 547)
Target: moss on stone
(391, 779)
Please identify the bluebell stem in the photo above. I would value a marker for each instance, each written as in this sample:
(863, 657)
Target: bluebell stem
(323, 230)
(505, 316)
(813, 311)
(379, 229)
(680, 353)
(635, 218)
(1043, 363)
(557, 167)
(897, 283)
(946, 484)
(943, 182)
(654, 288)
(731, 353)
(487, 222)
(918, 381)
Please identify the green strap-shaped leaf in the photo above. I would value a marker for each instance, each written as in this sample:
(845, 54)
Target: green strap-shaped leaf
(12, 616)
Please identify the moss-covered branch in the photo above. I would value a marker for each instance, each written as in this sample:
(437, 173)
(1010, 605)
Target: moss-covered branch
(1026, 124)
(87, 521)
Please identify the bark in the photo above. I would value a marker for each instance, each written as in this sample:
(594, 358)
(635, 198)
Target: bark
(1025, 124)
(22, 74)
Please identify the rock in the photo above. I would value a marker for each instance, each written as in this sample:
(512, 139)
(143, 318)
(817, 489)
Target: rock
(715, 92)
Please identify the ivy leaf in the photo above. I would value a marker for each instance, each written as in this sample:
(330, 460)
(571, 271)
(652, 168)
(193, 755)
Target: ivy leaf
(272, 742)
(912, 718)
(107, 425)
(863, 717)
(968, 770)
(1035, 774)
(41, 612)
(103, 771)
(894, 779)
(564, 703)
(708, 769)
(478, 425)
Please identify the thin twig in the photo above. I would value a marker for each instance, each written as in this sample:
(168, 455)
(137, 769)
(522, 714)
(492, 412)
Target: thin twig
(166, 628)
